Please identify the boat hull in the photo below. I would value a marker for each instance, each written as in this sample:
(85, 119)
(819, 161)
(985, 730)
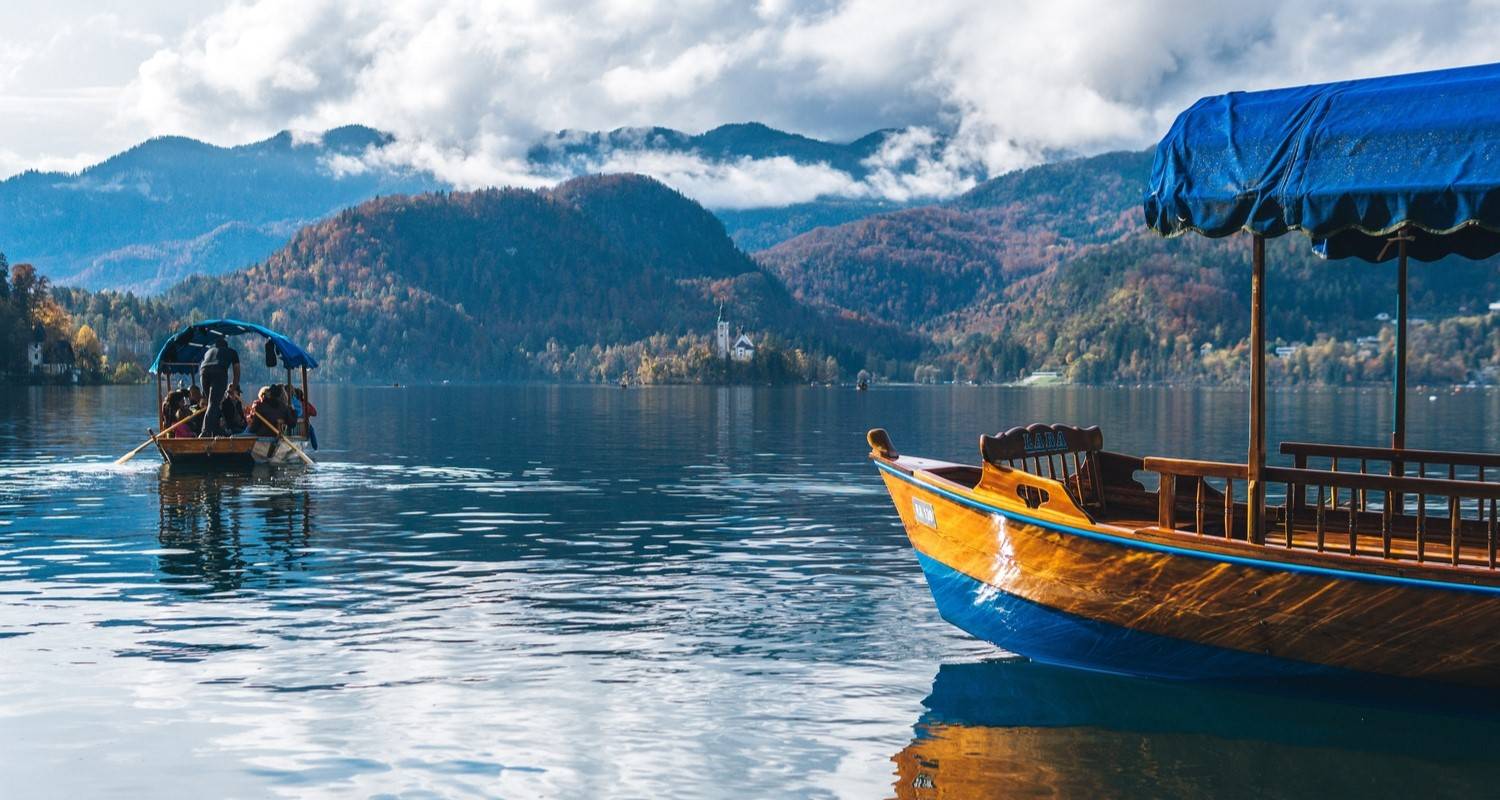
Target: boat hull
(1056, 637)
(229, 452)
(1083, 595)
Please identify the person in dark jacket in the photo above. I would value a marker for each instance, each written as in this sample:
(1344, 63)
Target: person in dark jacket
(232, 411)
(173, 408)
(213, 372)
(270, 405)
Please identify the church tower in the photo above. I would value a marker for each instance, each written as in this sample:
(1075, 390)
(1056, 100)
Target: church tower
(721, 335)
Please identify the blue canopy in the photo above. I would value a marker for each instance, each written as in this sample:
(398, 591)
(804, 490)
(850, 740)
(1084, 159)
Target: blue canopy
(184, 351)
(1349, 164)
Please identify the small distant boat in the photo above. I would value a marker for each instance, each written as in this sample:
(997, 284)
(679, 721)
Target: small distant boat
(863, 381)
(181, 355)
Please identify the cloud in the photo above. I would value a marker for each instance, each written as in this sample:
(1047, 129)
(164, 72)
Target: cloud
(12, 162)
(738, 183)
(467, 86)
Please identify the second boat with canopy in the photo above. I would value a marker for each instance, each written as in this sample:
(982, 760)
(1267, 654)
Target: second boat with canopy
(1374, 560)
(181, 356)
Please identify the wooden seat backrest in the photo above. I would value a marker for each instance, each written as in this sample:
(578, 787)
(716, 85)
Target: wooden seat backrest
(1064, 453)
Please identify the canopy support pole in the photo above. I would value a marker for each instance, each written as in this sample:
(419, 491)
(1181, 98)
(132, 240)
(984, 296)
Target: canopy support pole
(1255, 499)
(1398, 406)
(306, 398)
(1398, 431)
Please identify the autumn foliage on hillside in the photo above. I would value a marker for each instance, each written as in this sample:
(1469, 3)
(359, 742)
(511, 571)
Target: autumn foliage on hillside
(485, 284)
(1051, 268)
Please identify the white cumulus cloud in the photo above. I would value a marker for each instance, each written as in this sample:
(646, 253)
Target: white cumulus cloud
(468, 85)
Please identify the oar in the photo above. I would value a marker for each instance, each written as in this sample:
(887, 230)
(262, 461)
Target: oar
(289, 442)
(155, 436)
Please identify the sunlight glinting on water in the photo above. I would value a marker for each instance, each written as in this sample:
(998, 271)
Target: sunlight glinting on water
(647, 593)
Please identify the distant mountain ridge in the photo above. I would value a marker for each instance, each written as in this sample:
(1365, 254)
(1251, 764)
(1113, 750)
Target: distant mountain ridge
(582, 149)
(172, 207)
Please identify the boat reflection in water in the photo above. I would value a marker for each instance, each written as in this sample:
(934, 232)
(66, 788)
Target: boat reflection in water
(219, 530)
(1022, 729)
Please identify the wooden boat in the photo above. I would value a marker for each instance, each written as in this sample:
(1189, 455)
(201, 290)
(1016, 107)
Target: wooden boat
(231, 451)
(1349, 560)
(1052, 549)
(180, 356)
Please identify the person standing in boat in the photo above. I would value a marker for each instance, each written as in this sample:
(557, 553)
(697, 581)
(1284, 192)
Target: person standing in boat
(213, 373)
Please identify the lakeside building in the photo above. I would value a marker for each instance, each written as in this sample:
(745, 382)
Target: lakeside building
(53, 359)
(1043, 377)
(741, 350)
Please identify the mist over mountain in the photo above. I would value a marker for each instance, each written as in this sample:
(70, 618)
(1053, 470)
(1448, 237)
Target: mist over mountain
(173, 207)
(582, 151)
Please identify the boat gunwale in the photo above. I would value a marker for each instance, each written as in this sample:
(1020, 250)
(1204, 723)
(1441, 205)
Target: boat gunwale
(1217, 550)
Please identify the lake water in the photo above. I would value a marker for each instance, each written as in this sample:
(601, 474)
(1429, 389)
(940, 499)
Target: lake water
(538, 591)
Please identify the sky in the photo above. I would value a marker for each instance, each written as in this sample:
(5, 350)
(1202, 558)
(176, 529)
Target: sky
(466, 86)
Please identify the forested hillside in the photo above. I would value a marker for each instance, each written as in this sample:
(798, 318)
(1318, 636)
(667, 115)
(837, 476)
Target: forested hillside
(1051, 268)
(917, 266)
(597, 279)
(31, 315)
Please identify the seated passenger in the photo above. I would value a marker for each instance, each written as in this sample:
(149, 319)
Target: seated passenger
(194, 403)
(269, 407)
(304, 408)
(308, 411)
(232, 411)
(293, 407)
(171, 408)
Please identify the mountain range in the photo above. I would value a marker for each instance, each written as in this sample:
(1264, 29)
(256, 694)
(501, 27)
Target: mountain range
(173, 207)
(1047, 268)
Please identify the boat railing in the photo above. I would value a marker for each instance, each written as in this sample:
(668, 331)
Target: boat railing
(1395, 517)
(1429, 520)
(1205, 499)
(1454, 465)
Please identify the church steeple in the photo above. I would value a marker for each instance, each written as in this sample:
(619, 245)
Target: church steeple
(721, 335)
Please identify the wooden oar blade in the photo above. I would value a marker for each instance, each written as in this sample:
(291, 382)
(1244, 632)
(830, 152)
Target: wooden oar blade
(289, 443)
(155, 436)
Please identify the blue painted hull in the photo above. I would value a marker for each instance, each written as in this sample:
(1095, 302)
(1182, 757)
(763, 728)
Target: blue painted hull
(1051, 636)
